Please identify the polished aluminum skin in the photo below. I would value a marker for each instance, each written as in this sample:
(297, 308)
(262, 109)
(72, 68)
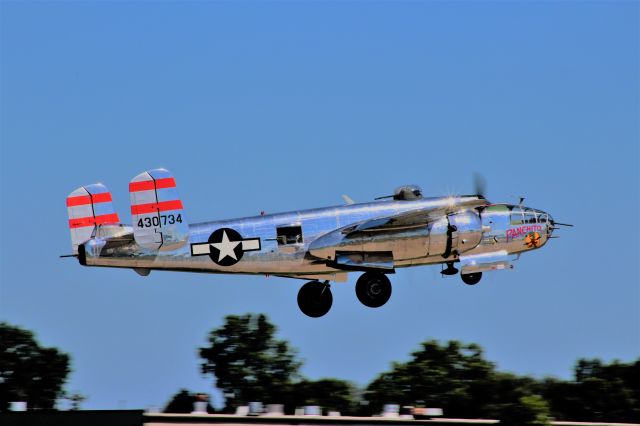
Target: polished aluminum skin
(325, 243)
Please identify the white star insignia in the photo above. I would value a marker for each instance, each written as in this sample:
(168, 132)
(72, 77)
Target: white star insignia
(226, 247)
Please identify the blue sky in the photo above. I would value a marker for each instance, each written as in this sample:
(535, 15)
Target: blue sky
(282, 106)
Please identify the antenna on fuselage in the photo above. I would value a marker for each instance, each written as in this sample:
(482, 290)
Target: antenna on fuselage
(348, 200)
(520, 200)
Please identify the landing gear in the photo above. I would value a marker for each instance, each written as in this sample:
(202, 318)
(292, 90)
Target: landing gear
(373, 289)
(451, 270)
(315, 298)
(471, 279)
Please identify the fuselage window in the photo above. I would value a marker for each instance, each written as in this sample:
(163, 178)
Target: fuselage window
(289, 235)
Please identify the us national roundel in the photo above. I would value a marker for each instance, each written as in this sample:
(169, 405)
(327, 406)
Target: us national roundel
(225, 246)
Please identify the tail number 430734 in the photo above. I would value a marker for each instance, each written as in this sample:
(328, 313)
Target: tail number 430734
(164, 219)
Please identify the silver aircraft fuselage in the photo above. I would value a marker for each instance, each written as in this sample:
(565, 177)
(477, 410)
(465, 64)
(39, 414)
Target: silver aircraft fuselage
(312, 243)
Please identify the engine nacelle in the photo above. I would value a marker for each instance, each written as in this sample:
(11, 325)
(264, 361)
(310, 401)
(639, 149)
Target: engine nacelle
(455, 234)
(449, 236)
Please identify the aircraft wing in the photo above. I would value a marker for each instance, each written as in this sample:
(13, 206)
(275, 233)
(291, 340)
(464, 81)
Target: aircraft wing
(413, 218)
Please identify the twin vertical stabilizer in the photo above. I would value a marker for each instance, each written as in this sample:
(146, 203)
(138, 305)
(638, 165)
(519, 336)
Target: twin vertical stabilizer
(87, 207)
(156, 211)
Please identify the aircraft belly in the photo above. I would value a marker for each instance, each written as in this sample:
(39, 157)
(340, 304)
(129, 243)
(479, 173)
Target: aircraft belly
(406, 244)
(269, 260)
(256, 265)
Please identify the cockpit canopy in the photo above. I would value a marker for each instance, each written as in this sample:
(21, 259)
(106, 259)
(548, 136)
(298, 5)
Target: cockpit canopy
(519, 215)
(407, 193)
(524, 215)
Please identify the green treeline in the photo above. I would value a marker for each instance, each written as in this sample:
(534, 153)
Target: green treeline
(249, 364)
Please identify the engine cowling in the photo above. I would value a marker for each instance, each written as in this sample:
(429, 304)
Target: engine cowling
(450, 235)
(454, 234)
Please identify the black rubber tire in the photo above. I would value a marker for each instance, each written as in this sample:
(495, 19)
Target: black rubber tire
(315, 299)
(471, 279)
(373, 289)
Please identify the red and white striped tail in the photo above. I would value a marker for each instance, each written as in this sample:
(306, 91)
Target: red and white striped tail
(87, 207)
(157, 212)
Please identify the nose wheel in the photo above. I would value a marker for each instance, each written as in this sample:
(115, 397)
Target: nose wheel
(315, 299)
(373, 289)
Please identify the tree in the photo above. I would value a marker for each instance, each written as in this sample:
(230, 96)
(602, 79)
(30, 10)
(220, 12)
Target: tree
(530, 410)
(330, 394)
(454, 377)
(183, 402)
(600, 392)
(29, 372)
(248, 362)
(507, 391)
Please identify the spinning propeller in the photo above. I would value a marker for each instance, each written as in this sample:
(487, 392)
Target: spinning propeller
(479, 184)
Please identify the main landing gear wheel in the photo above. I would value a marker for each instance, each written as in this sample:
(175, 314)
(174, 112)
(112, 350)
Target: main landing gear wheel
(373, 289)
(315, 299)
(471, 279)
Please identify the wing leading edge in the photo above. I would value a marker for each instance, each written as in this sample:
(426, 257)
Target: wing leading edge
(416, 218)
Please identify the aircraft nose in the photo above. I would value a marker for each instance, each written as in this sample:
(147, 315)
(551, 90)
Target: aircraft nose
(550, 225)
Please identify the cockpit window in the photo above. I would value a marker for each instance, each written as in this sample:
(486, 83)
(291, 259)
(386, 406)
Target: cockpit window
(517, 218)
(530, 216)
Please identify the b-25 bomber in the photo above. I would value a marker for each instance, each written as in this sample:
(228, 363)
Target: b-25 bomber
(463, 233)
